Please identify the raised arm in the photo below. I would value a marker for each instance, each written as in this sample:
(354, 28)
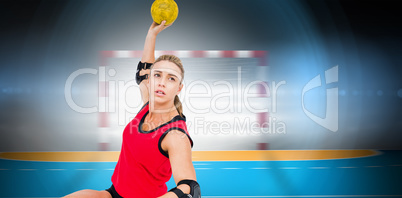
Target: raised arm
(148, 55)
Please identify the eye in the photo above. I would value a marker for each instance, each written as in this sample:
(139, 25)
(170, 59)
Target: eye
(171, 78)
(156, 75)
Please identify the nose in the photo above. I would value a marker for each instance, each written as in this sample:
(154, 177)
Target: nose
(162, 82)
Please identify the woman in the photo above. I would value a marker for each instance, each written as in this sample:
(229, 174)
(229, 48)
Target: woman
(156, 142)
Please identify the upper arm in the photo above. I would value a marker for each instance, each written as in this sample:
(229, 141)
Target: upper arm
(144, 91)
(178, 146)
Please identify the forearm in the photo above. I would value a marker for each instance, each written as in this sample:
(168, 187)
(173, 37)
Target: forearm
(148, 55)
(149, 46)
(144, 91)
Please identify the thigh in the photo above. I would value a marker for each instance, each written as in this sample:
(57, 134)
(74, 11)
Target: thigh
(89, 194)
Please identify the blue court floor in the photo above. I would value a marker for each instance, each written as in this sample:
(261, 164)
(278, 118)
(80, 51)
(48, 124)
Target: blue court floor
(373, 176)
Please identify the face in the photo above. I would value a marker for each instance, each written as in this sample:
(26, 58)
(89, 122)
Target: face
(164, 82)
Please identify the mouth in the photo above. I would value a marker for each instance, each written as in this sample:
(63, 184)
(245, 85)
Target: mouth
(160, 92)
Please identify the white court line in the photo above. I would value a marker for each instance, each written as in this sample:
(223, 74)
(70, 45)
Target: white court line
(231, 168)
(55, 169)
(84, 169)
(260, 168)
(27, 169)
(318, 167)
(289, 167)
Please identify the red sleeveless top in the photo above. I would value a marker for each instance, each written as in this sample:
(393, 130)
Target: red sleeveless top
(143, 167)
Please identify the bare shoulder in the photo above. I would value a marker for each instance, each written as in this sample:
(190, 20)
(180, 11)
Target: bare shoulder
(177, 136)
(176, 139)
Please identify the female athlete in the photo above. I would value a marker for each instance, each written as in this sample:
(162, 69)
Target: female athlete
(156, 142)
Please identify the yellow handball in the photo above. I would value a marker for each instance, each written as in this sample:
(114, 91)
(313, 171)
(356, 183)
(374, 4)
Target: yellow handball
(164, 10)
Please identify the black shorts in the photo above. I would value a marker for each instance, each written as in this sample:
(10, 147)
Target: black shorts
(113, 192)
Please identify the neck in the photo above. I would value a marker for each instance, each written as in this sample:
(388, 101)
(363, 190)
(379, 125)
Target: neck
(161, 112)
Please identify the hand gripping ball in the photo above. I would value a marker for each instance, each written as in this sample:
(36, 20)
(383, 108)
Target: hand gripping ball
(164, 10)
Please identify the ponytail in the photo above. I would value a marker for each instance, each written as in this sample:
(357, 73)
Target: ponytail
(178, 105)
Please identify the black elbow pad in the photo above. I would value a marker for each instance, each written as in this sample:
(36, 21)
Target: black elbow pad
(140, 67)
(195, 190)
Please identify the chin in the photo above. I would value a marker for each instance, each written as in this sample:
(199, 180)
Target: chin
(159, 100)
(162, 101)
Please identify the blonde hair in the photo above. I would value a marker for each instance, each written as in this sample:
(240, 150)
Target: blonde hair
(176, 61)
